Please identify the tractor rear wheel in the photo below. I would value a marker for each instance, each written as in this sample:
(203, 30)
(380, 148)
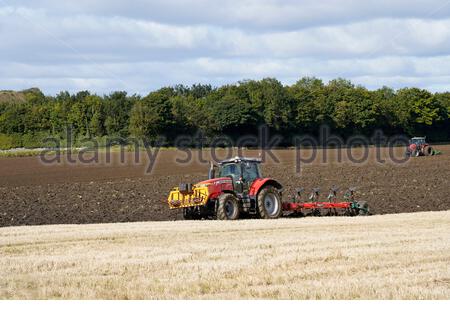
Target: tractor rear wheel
(227, 207)
(269, 203)
(427, 151)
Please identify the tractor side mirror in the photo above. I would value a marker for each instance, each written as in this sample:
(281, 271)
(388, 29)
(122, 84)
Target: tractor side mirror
(211, 172)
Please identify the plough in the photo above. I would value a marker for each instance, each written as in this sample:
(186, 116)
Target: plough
(330, 208)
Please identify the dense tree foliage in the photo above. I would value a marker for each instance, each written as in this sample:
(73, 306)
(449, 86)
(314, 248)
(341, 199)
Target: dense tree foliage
(233, 110)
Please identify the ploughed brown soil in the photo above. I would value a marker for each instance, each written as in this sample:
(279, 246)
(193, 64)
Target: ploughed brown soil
(36, 193)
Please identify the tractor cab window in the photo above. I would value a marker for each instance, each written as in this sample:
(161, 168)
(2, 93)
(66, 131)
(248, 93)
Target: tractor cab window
(251, 171)
(231, 169)
(418, 141)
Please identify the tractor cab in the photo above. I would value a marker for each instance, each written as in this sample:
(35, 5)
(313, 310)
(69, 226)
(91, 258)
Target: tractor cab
(243, 171)
(418, 141)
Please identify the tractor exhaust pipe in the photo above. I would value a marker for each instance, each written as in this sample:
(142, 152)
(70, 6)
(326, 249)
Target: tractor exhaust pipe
(211, 172)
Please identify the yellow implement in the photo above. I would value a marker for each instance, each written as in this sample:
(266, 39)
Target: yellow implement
(198, 196)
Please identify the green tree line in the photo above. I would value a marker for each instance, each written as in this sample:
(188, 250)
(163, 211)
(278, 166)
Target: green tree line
(232, 110)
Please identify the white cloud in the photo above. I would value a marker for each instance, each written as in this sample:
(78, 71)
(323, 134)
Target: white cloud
(255, 14)
(104, 46)
(141, 77)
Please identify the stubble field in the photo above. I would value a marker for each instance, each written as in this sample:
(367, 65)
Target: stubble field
(399, 256)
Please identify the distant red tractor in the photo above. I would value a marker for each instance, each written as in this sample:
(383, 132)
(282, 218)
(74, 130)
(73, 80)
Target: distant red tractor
(236, 186)
(419, 147)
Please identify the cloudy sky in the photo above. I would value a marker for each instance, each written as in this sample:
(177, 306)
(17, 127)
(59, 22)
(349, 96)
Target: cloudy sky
(139, 46)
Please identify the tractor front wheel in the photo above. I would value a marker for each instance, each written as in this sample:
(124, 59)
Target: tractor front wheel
(269, 203)
(227, 207)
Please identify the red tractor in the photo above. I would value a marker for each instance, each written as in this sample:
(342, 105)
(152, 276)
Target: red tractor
(236, 186)
(419, 147)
